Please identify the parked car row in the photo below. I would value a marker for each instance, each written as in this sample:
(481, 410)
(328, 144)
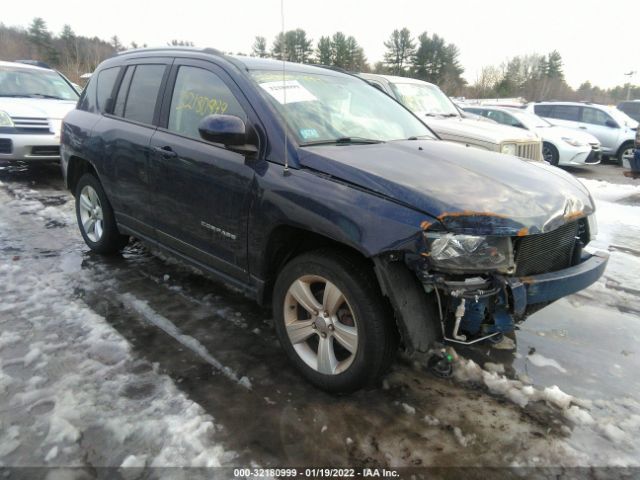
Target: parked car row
(328, 200)
(33, 102)
(560, 146)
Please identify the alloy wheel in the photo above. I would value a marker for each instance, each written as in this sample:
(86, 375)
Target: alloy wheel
(91, 215)
(320, 324)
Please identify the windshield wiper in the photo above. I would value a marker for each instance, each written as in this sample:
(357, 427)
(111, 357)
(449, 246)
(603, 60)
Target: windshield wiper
(343, 141)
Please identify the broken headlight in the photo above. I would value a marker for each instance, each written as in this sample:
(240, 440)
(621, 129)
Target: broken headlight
(470, 253)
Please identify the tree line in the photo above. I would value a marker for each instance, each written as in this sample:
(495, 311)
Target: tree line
(427, 57)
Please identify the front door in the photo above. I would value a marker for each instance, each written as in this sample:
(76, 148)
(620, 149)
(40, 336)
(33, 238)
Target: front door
(201, 189)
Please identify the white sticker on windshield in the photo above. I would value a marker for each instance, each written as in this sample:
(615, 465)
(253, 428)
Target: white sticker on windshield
(294, 91)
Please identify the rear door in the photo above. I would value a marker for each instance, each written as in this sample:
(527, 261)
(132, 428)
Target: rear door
(201, 189)
(126, 133)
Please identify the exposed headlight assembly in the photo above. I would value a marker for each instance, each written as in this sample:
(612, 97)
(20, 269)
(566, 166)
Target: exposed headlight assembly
(5, 119)
(509, 148)
(573, 142)
(470, 253)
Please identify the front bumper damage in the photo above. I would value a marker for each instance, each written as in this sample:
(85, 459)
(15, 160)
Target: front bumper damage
(485, 306)
(470, 309)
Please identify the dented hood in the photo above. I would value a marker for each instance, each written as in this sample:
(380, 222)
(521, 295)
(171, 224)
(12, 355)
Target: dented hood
(460, 189)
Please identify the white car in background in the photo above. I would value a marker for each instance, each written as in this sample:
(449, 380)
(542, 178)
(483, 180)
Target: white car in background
(560, 145)
(438, 111)
(33, 102)
(614, 129)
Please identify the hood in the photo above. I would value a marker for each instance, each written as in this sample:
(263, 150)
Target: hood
(558, 133)
(458, 128)
(460, 189)
(37, 107)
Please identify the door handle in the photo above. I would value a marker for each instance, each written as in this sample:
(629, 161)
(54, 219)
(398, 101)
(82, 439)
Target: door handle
(582, 127)
(165, 152)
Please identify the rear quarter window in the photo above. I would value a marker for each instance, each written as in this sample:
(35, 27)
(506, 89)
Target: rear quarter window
(87, 100)
(105, 82)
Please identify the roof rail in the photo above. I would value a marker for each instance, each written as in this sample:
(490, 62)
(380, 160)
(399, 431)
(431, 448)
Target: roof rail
(212, 51)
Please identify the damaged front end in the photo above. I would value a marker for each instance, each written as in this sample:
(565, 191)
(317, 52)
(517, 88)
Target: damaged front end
(484, 285)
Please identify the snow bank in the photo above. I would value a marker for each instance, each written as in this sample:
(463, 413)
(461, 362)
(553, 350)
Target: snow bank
(73, 378)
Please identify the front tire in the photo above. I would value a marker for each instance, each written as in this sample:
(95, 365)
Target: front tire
(333, 322)
(550, 154)
(625, 152)
(95, 217)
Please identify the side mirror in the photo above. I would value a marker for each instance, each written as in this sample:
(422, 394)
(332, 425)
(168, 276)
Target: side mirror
(226, 129)
(611, 124)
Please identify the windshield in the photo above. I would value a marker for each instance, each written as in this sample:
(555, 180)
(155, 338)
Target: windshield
(530, 120)
(422, 98)
(34, 83)
(329, 108)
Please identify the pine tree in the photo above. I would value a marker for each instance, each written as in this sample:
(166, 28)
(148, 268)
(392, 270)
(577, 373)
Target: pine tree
(400, 50)
(259, 48)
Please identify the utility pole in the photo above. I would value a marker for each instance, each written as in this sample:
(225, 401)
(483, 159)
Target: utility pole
(630, 75)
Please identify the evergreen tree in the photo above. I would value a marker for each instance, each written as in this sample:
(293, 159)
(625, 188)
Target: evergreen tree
(324, 51)
(259, 48)
(400, 51)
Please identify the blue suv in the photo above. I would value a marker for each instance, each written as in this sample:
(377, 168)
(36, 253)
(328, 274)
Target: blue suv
(317, 194)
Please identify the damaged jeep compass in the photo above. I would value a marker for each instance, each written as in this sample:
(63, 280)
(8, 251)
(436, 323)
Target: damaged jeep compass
(317, 194)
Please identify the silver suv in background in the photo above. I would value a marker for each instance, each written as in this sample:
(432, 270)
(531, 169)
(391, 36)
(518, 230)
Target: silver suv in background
(438, 111)
(615, 130)
(631, 108)
(33, 102)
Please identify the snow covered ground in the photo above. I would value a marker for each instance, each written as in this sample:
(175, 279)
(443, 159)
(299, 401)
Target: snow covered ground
(138, 361)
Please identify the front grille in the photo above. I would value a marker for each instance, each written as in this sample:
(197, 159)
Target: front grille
(546, 252)
(529, 150)
(31, 124)
(6, 145)
(46, 151)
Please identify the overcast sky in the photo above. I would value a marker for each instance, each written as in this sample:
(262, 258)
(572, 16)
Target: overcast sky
(598, 40)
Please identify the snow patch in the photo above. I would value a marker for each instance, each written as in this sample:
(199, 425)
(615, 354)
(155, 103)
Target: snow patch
(542, 361)
(143, 308)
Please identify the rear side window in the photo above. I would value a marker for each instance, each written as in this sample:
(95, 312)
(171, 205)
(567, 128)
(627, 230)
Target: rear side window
(565, 112)
(121, 98)
(104, 86)
(140, 102)
(542, 110)
(198, 93)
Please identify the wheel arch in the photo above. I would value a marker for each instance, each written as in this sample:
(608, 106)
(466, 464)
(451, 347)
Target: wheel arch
(76, 168)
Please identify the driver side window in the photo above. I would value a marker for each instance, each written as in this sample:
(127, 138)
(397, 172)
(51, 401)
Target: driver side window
(594, 116)
(198, 93)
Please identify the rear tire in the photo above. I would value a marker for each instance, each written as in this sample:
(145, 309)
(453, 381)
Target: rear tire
(550, 154)
(328, 305)
(95, 217)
